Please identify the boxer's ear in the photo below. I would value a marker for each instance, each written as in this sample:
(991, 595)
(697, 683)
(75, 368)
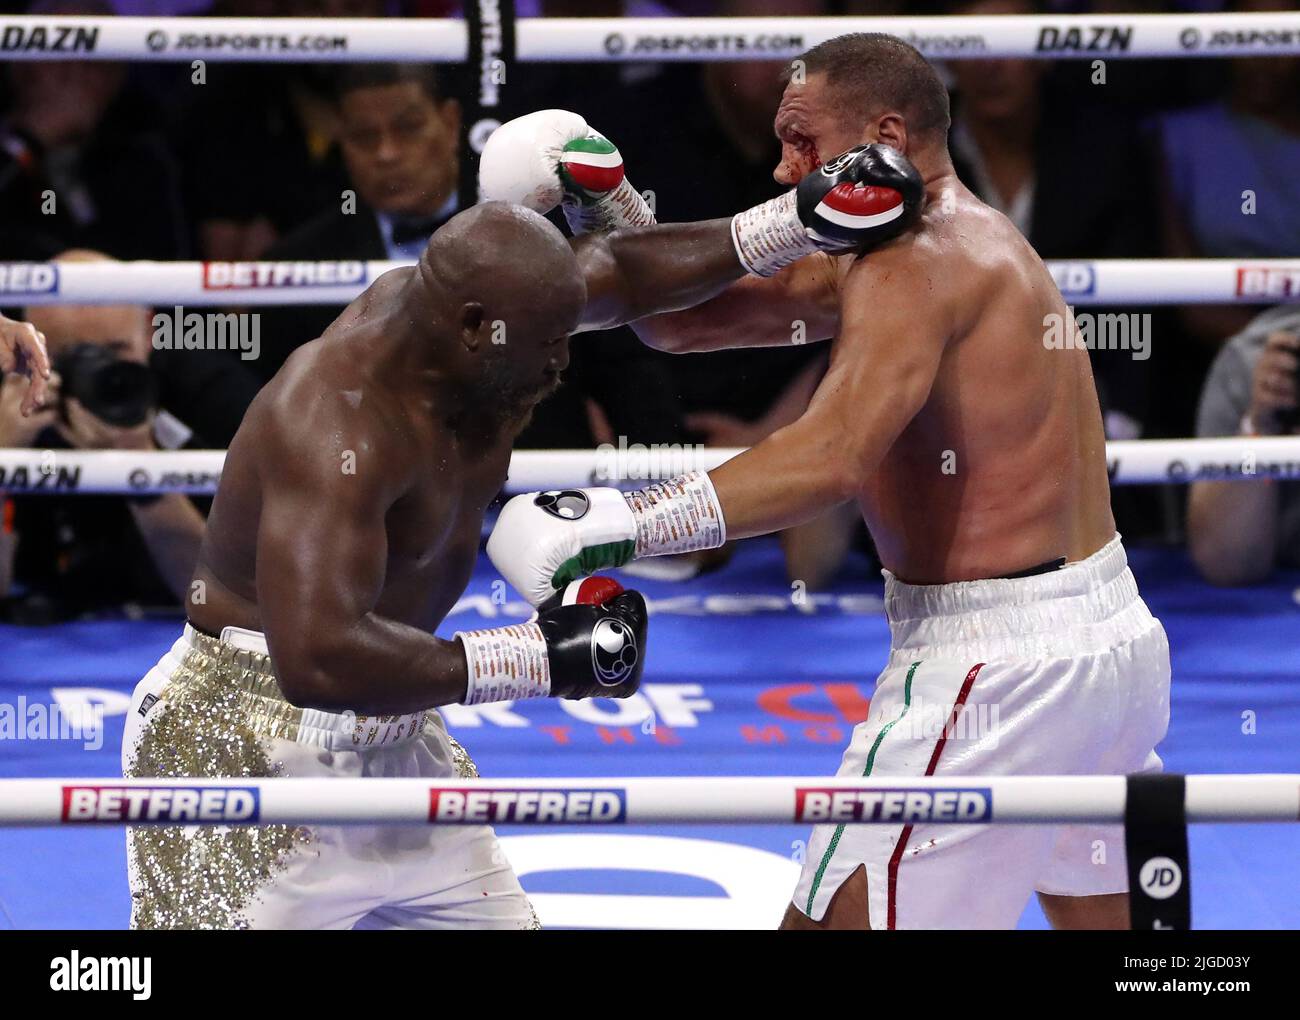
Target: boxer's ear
(471, 325)
(891, 130)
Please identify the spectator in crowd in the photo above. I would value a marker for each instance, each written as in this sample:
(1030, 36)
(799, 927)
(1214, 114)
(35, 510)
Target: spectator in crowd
(700, 138)
(1239, 531)
(261, 154)
(80, 165)
(1231, 189)
(361, 162)
(82, 553)
(1019, 151)
(1021, 141)
(399, 137)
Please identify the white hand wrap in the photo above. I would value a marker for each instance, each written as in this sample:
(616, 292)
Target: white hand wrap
(506, 664)
(770, 237)
(622, 207)
(677, 516)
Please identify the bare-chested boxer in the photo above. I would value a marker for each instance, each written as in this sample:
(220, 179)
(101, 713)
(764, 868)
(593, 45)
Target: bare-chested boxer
(976, 454)
(345, 527)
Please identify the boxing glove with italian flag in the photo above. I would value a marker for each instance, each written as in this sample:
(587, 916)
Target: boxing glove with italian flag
(553, 157)
(853, 203)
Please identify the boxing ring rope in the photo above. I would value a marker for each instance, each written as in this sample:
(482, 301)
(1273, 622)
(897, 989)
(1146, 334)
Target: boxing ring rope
(197, 472)
(538, 40)
(334, 281)
(744, 800)
(493, 33)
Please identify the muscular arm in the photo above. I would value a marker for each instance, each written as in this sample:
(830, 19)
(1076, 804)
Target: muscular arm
(640, 271)
(683, 289)
(881, 372)
(321, 558)
(800, 304)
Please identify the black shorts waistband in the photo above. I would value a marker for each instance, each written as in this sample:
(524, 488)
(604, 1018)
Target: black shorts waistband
(1042, 568)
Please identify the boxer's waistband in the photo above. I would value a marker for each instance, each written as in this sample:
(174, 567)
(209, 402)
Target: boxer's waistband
(239, 660)
(1042, 568)
(1044, 613)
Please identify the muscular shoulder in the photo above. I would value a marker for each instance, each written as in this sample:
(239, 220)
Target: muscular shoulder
(979, 255)
(315, 422)
(961, 257)
(912, 271)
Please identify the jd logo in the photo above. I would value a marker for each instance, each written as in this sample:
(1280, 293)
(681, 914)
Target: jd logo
(1160, 878)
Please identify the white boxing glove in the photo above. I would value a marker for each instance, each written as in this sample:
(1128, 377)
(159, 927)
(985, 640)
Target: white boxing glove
(544, 540)
(551, 157)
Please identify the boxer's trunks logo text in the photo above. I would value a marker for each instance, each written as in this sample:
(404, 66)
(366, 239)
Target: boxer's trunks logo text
(471, 806)
(885, 804)
(175, 804)
(28, 278)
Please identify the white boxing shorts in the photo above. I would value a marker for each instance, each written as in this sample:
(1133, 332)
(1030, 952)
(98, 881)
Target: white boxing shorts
(1060, 673)
(213, 708)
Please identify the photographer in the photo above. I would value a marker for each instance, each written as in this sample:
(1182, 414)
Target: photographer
(111, 390)
(1239, 531)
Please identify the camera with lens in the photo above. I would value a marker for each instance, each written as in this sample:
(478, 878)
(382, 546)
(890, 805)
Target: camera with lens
(121, 393)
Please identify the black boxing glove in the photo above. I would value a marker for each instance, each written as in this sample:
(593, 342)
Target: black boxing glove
(858, 201)
(587, 641)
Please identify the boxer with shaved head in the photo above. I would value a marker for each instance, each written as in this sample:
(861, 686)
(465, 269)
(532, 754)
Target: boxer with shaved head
(345, 527)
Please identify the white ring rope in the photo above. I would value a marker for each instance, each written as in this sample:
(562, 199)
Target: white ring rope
(630, 801)
(232, 284)
(335, 40)
(197, 472)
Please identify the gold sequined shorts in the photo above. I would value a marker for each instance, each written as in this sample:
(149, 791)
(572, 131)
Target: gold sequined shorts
(212, 708)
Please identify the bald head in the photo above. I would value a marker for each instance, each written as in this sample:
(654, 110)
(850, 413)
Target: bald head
(125, 328)
(504, 290)
(510, 261)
